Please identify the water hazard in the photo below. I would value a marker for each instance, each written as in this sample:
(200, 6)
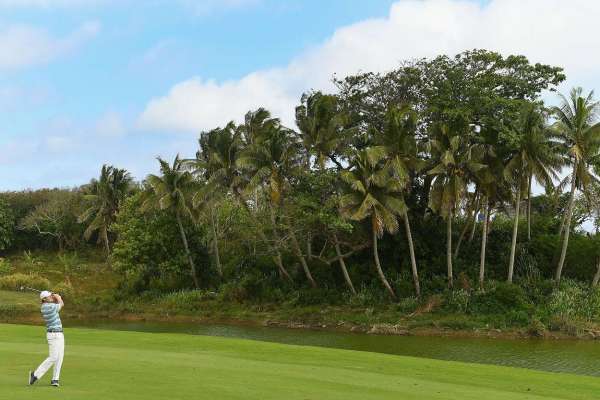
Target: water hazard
(572, 356)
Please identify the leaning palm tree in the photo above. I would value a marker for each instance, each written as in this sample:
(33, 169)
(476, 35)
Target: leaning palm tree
(104, 197)
(579, 130)
(457, 165)
(215, 163)
(171, 191)
(399, 140)
(322, 128)
(532, 156)
(373, 192)
(271, 156)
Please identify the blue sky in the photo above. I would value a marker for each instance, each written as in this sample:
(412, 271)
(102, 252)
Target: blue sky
(83, 82)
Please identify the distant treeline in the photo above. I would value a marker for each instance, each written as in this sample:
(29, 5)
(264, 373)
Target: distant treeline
(400, 182)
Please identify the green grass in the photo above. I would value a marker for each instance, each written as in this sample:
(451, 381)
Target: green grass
(131, 365)
(19, 298)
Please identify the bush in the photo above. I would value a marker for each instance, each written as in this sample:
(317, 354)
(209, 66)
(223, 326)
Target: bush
(408, 305)
(536, 327)
(504, 297)
(15, 281)
(186, 300)
(574, 300)
(316, 296)
(457, 300)
(5, 267)
(368, 295)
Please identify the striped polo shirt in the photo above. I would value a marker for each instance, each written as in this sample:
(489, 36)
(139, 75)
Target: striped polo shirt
(50, 315)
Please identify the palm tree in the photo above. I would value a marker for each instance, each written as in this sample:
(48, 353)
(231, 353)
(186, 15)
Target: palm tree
(532, 156)
(579, 130)
(171, 191)
(270, 157)
(457, 164)
(215, 162)
(104, 197)
(399, 140)
(322, 128)
(373, 192)
(494, 188)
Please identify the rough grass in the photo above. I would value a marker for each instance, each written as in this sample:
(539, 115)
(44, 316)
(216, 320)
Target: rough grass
(131, 365)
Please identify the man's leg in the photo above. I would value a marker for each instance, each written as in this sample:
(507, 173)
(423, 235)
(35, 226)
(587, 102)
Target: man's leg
(48, 362)
(60, 353)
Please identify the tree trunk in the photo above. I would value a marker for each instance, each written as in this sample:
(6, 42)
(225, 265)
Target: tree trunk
(277, 259)
(382, 277)
(187, 251)
(413, 261)
(529, 208)
(215, 242)
(474, 226)
(597, 276)
(426, 189)
(300, 256)
(513, 246)
(338, 252)
(470, 221)
(474, 222)
(567, 228)
(484, 233)
(106, 245)
(449, 249)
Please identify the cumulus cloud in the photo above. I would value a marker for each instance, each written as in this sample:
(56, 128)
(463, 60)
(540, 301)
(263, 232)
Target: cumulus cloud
(549, 31)
(25, 45)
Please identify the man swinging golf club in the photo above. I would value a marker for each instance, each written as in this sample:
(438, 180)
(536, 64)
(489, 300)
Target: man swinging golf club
(52, 303)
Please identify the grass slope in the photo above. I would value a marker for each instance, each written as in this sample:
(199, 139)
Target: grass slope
(132, 365)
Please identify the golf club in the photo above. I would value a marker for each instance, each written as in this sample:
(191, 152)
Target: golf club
(30, 289)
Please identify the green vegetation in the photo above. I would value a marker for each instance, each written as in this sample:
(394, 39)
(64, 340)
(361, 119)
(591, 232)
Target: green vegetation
(401, 198)
(129, 365)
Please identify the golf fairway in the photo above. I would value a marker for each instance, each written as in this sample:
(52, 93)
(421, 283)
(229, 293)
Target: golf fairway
(130, 365)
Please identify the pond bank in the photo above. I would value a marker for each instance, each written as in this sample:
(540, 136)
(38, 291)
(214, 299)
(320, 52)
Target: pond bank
(401, 328)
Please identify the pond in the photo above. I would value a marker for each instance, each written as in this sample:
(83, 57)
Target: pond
(572, 356)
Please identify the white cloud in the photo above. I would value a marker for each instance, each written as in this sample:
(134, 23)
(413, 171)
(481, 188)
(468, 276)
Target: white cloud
(24, 45)
(555, 32)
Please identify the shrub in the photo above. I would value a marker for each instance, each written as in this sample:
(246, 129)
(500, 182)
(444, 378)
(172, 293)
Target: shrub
(536, 327)
(233, 291)
(15, 281)
(504, 297)
(316, 296)
(574, 300)
(5, 267)
(187, 300)
(408, 305)
(368, 295)
(457, 300)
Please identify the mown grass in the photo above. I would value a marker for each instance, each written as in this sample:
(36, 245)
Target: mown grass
(132, 365)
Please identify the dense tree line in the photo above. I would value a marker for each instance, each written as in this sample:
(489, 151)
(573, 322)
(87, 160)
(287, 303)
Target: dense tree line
(424, 170)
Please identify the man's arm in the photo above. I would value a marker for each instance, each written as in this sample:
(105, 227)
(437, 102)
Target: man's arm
(59, 300)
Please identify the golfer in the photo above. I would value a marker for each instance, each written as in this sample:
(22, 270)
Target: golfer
(52, 303)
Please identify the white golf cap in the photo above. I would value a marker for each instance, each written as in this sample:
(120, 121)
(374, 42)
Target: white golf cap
(45, 294)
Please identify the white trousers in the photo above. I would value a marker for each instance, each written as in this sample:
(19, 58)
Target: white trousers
(56, 345)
